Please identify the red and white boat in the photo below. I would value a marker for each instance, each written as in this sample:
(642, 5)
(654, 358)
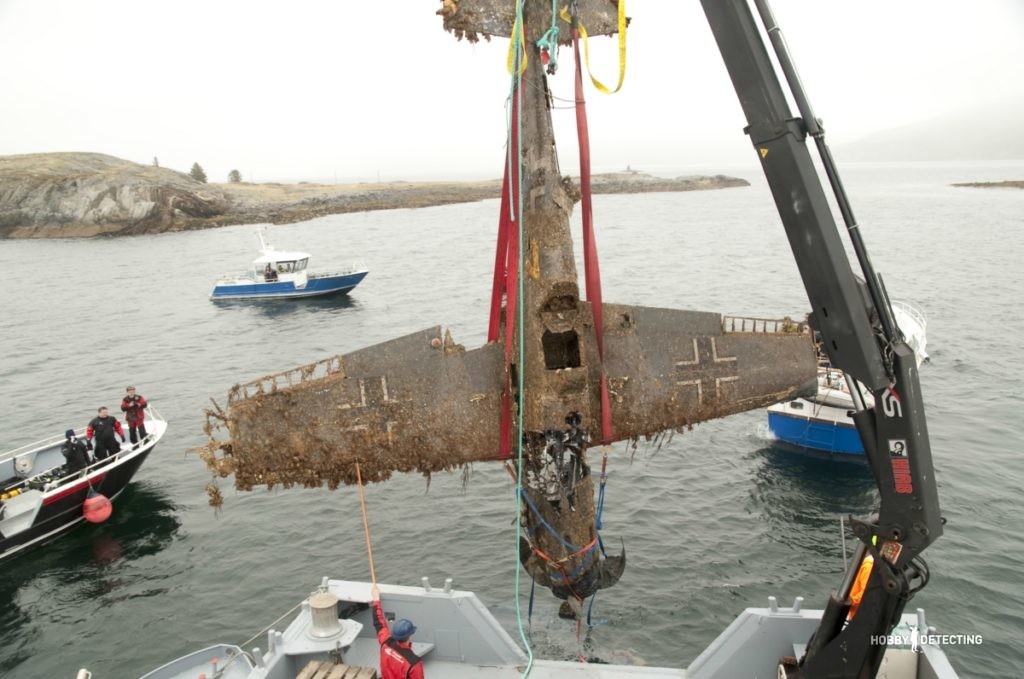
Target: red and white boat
(41, 500)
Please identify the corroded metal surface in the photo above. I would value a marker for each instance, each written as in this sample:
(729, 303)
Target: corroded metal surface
(669, 369)
(423, 403)
(470, 18)
(416, 403)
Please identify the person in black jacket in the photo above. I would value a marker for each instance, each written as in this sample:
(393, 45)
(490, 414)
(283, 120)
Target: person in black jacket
(103, 427)
(76, 455)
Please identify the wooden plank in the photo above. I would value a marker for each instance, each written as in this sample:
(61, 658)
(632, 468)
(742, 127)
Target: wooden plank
(310, 670)
(324, 669)
(338, 672)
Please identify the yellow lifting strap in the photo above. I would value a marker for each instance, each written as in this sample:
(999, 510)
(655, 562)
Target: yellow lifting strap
(586, 47)
(517, 34)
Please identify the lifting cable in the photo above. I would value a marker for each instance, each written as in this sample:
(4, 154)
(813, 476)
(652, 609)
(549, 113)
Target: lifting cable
(600, 498)
(508, 263)
(513, 256)
(591, 268)
(573, 20)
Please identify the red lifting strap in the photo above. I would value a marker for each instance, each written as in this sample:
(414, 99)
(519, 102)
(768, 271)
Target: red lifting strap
(591, 269)
(506, 272)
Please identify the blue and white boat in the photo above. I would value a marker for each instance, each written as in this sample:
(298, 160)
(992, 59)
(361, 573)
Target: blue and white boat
(822, 423)
(281, 274)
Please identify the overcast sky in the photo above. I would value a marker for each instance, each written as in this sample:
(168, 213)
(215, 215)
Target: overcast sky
(371, 90)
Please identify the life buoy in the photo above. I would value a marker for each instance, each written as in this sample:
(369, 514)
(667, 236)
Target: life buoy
(96, 508)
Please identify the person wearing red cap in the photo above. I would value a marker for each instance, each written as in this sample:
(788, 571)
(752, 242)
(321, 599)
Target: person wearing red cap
(397, 661)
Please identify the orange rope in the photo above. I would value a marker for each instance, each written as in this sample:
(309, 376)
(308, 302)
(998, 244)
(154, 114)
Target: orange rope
(366, 525)
(560, 564)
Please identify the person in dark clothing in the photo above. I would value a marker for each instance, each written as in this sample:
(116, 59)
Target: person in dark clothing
(103, 427)
(134, 407)
(397, 661)
(76, 455)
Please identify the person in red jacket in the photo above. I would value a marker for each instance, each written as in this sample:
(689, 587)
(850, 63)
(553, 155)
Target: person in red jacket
(134, 407)
(102, 428)
(397, 661)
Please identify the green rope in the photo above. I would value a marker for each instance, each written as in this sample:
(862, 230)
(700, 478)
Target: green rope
(517, 91)
(549, 40)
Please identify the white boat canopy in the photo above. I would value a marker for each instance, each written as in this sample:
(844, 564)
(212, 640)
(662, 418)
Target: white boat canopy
(274, 256)
(281, 262)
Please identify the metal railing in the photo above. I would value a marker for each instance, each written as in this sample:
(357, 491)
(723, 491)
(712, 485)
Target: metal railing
(289, 378)
(357, 266)
(778, 326)
(53, 441)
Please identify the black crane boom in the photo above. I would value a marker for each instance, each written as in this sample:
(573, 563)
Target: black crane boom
(854, 318)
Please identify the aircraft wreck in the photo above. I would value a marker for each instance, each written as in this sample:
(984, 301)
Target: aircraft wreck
(572, 374)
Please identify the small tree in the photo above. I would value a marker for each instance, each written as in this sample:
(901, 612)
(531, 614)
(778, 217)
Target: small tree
(234, 176)
(156, 162)
(197, 173)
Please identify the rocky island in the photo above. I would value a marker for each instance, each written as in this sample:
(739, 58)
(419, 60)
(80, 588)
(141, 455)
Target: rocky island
(65, 195)
(1010, 184)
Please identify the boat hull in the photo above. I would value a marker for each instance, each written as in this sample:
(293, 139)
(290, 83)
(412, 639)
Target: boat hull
(807, 425)
(314, 287)
(60, 507)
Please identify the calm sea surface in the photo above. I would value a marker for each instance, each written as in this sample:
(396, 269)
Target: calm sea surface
(716, 520)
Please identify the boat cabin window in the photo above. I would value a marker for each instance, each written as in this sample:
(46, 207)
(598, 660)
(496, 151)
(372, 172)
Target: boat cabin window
(288, 266)
(291, 266)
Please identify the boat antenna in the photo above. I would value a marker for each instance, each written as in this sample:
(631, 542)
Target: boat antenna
(366, 525)
(842, 534)
(261, 233)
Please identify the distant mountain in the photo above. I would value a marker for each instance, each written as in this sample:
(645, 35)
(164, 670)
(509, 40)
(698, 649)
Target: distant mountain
(994, 133)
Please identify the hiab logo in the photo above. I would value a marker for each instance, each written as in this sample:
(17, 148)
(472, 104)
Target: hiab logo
(902, 479)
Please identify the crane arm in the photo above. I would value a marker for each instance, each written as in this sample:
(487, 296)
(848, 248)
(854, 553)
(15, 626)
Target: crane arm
(855, 320)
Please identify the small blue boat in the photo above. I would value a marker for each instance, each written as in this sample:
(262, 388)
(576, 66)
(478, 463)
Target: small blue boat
(822, 422)
(279, 274)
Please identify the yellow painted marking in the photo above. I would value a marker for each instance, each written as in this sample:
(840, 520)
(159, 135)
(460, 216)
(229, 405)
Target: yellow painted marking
(533, 266)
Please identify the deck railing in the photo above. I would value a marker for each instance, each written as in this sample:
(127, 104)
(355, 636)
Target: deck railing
(153, 414)
(287, 378)
(778, 326)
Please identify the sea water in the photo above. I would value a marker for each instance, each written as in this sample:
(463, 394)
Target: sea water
(713, 520)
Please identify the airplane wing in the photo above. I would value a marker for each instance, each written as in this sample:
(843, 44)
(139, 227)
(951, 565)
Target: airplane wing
(423, 403)
(669, 369)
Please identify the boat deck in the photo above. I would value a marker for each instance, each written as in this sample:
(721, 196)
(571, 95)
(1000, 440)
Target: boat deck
(458, 638)
(326, 669)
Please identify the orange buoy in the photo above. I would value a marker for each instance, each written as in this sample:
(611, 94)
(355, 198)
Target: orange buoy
(97, 507)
